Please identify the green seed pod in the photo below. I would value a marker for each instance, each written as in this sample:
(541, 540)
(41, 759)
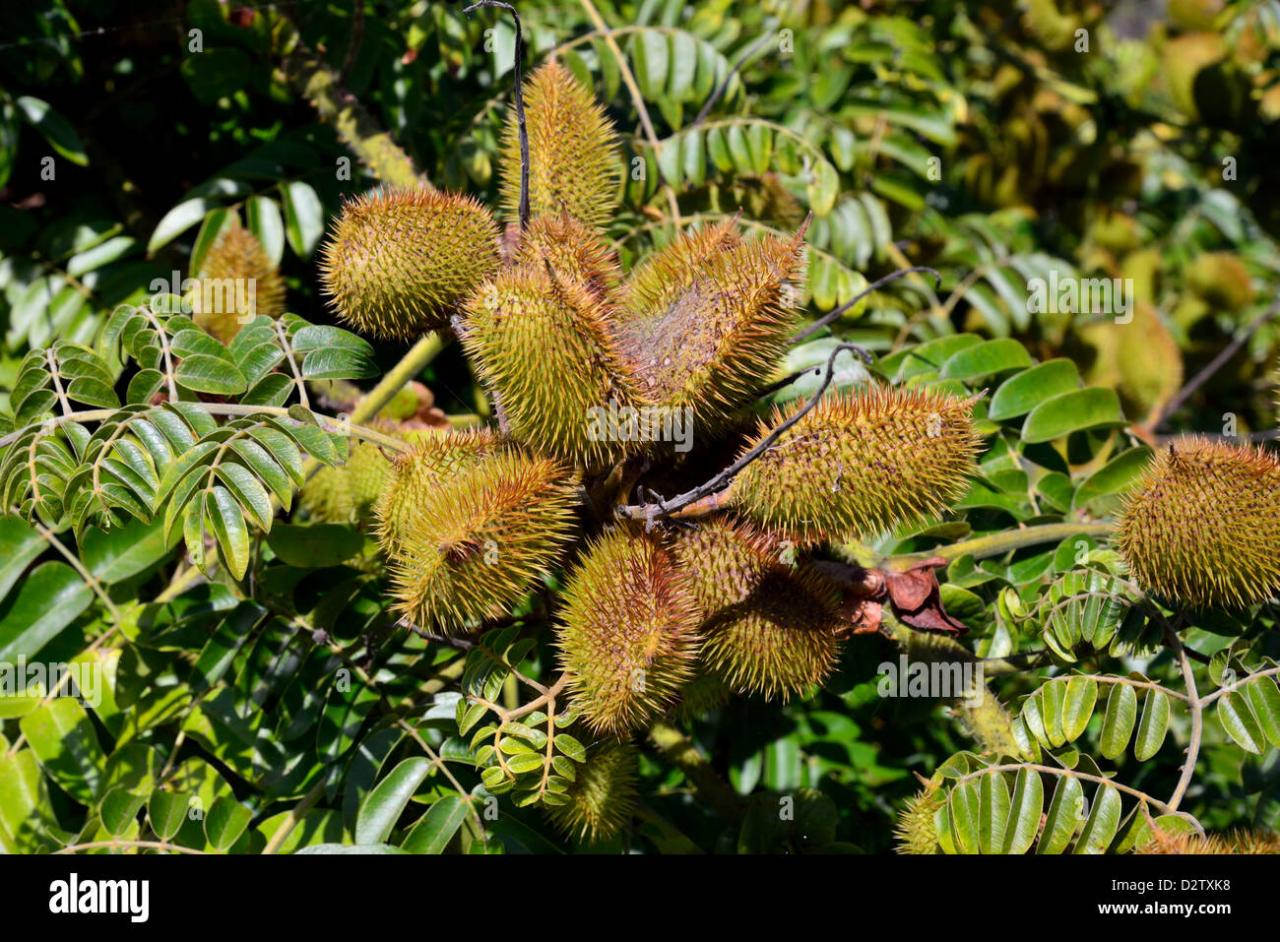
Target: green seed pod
(400, 261)
(1203, 525)
(574, 164)
(768, 628)
(418, 475)
(859, 465)
(474, 545)
(573, 251)
(347, 493)
(717, 340)
(603, 796)
(916, 828)
(237, 282)
(541, 343)
(628, 640)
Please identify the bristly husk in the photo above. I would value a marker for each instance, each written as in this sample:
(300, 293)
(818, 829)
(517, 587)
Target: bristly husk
(1203, 525)
(348, 492)
(573, 251)
(475, 545)
(420, 475)
(1239, 842)
(602, 797)
(769, 628)
(710, 346)
(399, 262)
(628, 636)
(236, 283)
(916, 829)
(540, 341)
(859, 464)
(574, 160)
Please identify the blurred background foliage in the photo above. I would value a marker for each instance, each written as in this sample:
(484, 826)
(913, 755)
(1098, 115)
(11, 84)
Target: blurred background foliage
(996, 142)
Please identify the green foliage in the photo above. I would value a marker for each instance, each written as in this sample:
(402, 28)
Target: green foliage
(257, 691)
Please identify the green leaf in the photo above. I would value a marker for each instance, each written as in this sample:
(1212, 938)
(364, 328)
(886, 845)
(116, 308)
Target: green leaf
(122, 552)
(965, 806)
(1021, 393)
(432, 833)
(985, 359)
(1024, 812)
(49, 599)
(265, 223)
(1118, 721)
(57, 131)
(1153, 726)
(303, 217)
(993, 813)
(316, 546)
(1052, 696)
(1239, 722)
(382, 807)
(1103, 822)
(119, 810)
(66, 744)
(1069, 412)
(166, 812)
(1077, 706)
(225, 822)
(1117, 475)
(228, 525)
(177, 221)
(571, 747)
(206, 374)
(20, 544)
(1264, 699)
(1063, 817)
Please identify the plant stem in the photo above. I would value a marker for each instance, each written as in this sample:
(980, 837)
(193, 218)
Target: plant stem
(995, 544)
(410, 365)
(1197, 722)
(680, 751)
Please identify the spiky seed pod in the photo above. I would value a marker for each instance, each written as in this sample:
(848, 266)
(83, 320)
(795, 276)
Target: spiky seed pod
(706, 692)
(859, 464)
(1240, 842)
(347, 493)
(574, 251)
(660, 279)
(236, 283)
(474, 546)
(574, 164)
(400, 261)
(1221, 279)
(420, 475)
(916, 828)
(769, 628)
(541, 342)
(724, 334)
(603, 796)
(628, 640)
(1203, 525)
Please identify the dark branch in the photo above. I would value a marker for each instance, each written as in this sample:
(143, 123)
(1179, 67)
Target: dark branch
(665, 508)
(724, 85)
(1217, 363)
(519, 96)
(874, 286)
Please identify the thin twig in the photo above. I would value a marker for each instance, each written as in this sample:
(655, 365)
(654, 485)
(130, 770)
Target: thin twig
(1216, 363)
(734, 69)
(1197, 722)
(664, 508)
(519, 98)
(876, 285)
